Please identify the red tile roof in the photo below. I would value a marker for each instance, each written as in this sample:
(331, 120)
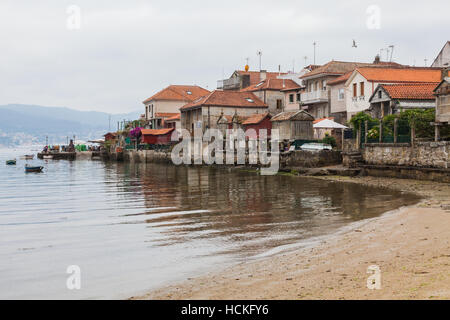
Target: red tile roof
(430, 75)
(255, 76)
(156, 132)
(340, 79)
(174, 117)
(411, 91)
(165, 114)
(274, 84)
(227, 99)
(342, 67)
(256, 118)
(318, 120)
(179, 93)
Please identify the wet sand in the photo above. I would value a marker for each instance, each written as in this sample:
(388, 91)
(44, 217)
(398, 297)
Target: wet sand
(411, 246)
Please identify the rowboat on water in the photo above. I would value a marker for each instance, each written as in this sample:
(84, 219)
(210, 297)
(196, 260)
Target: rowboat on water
(11, 162)
(33, 169)
(28, 157)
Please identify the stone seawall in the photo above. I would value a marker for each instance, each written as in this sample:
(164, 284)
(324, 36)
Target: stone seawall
(311, 159)
(302, 158)
(422, 154)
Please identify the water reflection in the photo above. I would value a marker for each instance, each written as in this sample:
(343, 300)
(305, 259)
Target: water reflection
(131, 227)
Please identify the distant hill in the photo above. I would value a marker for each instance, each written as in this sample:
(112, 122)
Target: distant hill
(25, 124)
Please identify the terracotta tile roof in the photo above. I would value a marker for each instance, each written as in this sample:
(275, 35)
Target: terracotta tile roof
(274, 84)
(340, 79)
(410, 91)
(342, 67)
(165, 114)
(255, 76)
(179, 92)
(156, 132)
(227, 99)
(318, 120)
(174, 117)
(296, 115)
(256, 118)
(401, 74)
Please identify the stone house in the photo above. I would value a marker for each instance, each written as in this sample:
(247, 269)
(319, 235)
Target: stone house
(272, 92)
(167, 103)
(394, 98)
(241, 79)
(363, 81)
(294, 125)
(443, 58)
(316, 98)
(442, 93)
(205, 112)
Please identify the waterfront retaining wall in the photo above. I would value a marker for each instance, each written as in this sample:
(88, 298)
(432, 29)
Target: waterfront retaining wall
(311, 159)
(422, 154)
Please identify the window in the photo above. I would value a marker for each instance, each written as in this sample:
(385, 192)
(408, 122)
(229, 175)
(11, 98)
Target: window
(380, 94)
(249, 100)
(355, 90)
(291, 98)
(361, 87)
(298, 97)
(341, 94)
(315, 86)
(279, 103)
(189, 92)
(323, 85)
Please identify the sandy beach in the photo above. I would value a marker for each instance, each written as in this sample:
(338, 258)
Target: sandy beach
(411, 247)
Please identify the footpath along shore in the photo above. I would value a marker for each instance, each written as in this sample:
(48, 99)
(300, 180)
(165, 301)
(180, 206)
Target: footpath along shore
(410, 245)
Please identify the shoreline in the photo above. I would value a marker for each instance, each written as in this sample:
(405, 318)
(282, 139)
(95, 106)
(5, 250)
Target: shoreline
(411, 246)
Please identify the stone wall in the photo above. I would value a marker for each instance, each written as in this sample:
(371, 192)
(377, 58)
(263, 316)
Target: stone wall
(423, 154)
(311, 159)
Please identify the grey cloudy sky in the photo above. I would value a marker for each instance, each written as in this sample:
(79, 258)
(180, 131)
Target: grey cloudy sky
(125, 51)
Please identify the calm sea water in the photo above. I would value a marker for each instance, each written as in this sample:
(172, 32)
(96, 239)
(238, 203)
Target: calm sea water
(133, 227)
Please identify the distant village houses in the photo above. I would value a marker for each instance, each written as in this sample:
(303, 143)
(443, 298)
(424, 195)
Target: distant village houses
(167, 103)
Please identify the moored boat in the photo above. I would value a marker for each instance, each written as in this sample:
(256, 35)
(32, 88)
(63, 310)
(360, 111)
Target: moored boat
(11, 162)
(33, 169)
(28, 157)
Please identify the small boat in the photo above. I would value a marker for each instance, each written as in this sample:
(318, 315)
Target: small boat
(28, 157)
(11, 162)
(33, 169)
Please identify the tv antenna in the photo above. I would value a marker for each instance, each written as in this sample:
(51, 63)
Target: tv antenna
(392, 51)
(259, 54)
(314, 44)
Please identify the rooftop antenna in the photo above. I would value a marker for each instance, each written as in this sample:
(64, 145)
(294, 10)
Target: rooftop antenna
(314, 44)
(381, 52)
(259, 53)
(392, 51)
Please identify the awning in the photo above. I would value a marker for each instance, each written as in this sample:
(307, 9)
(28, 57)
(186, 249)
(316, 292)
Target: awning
(328, 124)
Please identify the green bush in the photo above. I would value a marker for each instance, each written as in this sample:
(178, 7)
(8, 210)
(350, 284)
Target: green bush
(329, 140)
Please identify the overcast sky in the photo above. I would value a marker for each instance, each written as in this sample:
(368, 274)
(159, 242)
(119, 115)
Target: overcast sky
(124, 51)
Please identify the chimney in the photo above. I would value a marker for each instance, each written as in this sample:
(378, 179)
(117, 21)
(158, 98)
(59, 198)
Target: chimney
(262, 75)
(377, 59)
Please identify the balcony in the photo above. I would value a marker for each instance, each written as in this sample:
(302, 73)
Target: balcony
(314, 97)
(229, 84)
